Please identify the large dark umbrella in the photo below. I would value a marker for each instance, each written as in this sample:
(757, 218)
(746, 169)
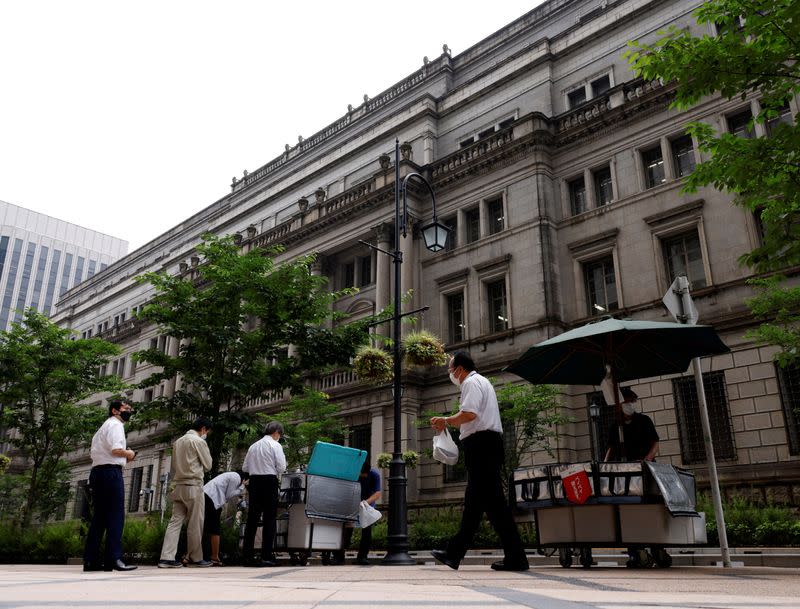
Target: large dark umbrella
(633, 349)
(630, 349)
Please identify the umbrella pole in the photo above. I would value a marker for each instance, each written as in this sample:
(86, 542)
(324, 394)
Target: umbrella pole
(618, 414)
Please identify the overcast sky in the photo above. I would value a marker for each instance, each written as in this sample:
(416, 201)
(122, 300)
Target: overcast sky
(128, 117)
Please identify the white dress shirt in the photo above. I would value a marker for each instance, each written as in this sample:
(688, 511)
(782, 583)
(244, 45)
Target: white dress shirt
(479, 398)
(110, 436)
(224, 487)
(265, 458)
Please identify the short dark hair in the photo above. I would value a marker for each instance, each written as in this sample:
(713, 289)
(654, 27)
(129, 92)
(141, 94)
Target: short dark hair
(243, 475)
(365, 467)
(628, 394)
(463, 359)
(115, 405)
(201, 422)
(272, 427)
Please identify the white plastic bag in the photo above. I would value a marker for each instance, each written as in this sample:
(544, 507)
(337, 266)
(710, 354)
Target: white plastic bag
(367, 515)
(444, 449)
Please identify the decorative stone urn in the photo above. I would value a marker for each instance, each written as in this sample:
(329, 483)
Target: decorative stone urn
(251, 231)
(405, 151)
(319, 195)
(302, 203)
(384, 160)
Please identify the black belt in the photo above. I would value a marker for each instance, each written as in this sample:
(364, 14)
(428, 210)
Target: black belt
(107, 466)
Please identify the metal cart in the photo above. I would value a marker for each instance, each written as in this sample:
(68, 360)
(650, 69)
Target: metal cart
(645, 506)
(314, 512)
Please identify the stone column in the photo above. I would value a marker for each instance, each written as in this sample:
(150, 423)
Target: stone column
(409, 270)
(384, 273)
(172, 351)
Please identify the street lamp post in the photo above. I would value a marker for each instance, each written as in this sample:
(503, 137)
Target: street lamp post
(435, 235)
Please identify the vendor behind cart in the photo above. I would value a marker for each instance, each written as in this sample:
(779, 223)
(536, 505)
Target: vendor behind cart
(640, 444)
(639, 434)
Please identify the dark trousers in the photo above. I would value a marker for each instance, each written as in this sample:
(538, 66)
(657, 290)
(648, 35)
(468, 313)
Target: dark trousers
(483, 457)
(263, 493)
(363, 546)
(108, 515)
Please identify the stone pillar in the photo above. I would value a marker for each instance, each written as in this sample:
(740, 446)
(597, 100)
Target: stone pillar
(172, 351)
(409, 270)
(377, 445)
(384, 273)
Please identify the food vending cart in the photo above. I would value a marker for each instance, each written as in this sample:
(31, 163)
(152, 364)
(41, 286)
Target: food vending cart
(646, 506)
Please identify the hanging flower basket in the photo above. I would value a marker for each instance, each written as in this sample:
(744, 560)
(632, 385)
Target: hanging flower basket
(373, 365)
(423, 349)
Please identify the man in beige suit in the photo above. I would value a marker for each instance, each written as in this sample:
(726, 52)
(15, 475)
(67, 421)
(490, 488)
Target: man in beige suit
(190, 460)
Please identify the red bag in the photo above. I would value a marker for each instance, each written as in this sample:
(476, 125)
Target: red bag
(576, 484)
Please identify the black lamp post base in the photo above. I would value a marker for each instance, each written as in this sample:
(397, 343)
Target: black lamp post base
(398, 559)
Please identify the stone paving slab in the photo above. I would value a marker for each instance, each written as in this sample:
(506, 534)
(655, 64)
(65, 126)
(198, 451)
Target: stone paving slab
(413, 587)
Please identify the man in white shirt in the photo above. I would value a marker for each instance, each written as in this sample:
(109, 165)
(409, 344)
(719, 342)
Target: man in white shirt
(191, 458)
(109, 454)
(218, 491)
(481, 434)
(264, 462)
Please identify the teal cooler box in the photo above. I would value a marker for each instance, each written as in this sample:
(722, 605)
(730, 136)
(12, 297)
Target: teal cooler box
(334, 461)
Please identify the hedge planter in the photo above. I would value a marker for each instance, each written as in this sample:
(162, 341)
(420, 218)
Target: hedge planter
(423, 349)
(373, 365)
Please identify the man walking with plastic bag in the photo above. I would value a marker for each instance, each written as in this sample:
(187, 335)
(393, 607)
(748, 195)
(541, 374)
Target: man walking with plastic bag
(482, 441)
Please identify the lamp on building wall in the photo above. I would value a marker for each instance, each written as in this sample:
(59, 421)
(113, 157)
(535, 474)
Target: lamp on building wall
(435, 235)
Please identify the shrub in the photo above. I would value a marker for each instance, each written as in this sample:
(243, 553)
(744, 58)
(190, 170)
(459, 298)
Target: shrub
(142, 538)
(750, 524)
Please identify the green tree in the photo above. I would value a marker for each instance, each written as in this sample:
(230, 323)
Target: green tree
(756, 53)
(307, 419)
(234, 317)
(45, 373)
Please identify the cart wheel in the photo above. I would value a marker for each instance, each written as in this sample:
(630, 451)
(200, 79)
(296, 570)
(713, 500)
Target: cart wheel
(294, 558)
(662, 558)
(565, 557)
(645, 559)
(302, 559)
(586, 558)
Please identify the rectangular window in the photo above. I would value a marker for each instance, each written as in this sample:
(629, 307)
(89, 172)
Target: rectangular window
(577, 196)
(349, 275)
(452, 241)
(486, 133)
(789, 386)
(135, 487)
(80, 508)
(683, 155)
(498, 309)
(27, 270)
(653, 162)
(361, 438)
(601, 85)
(51, 282)
(8, 295)
(601, 286)
(693, 449)
(92, 268)
(65, 275)
(3, 250)
(38, 283)
(784, 117)
(79, 271)
(148, 396)
(739, 124)
(576, 97)
(683, 256)
(455, 318)
(494, 212)
(365, 271)
(472, 220)
(603, 188)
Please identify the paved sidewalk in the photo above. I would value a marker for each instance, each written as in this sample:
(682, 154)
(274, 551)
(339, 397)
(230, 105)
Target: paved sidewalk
(414, 587)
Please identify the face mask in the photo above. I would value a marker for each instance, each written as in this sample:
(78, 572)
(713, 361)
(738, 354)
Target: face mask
(454, 380)
(628, 408)
(203, 436)
(125, 415)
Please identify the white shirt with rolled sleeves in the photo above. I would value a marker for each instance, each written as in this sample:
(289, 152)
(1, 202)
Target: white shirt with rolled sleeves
(479, 398)
(223, 488)
(265, 458)
(110, 436)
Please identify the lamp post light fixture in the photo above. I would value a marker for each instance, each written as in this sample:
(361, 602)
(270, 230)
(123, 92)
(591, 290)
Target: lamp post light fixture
(594, 414)
(435, 235)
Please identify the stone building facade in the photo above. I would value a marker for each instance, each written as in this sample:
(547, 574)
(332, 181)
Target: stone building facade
(561, 177)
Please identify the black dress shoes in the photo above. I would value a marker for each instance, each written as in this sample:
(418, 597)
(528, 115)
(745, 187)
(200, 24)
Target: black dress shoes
(443, 558)
(91, 566)
(502, 565)
(118, 565)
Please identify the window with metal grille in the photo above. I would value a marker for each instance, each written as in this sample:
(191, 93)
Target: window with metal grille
(457, 472)
(135, 487)
(601, 85)
(349, 275)
(789, 385)
(687, 409)
(472, 220)
(365, 271)
(361, 438)
(683, 256)
(494, 212)
(577, 97)
(683, 155)
(601, 286)
(603, 186)
(739, 124)
(653, 162)
(577, 196)
(783, 117)
(455, 317)
(80, 508)
(496, 295)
